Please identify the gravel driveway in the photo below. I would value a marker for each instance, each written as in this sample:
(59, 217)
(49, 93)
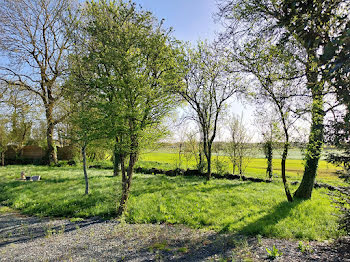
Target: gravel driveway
(25, 238)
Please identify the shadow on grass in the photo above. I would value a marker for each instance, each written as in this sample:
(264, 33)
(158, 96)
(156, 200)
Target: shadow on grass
(280, 212)
(56, 201)
(187, 187)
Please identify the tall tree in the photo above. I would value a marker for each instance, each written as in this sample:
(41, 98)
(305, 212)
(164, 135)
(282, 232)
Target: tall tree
(303, 28)
(84, 119)
(34, 36)
(209, 83)
(134, 64)
(278, 88)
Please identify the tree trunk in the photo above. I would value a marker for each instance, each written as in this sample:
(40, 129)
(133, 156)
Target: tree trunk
(116, 160)
(269, 168)
(283, 167)
(269, 154)
(200, 166)
(83, 151)
(314, 147)
(127, 178)
(180, 150)
(208, 156)
(240, 164)
(116, 164)
(126, 183)
(3, 158)
(51, 147)
(209, 168)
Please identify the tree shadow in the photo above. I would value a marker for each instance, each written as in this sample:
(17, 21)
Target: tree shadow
(16, 228)
(280, 212)
(186, 188)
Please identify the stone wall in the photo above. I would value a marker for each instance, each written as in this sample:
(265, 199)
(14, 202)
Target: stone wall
(35, 154)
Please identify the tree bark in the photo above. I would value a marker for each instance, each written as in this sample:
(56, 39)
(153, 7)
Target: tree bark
(126, 183)
(207, 152)
(269, 155)
(233, 168)
(283, 167)
(200, 165)
(51, 146)
(240, 164)
(116, 159)
(127, 178)
(3, 158)
(209, 166)
(180, 150)
(116, 164)
(314, 147)
(83, 151)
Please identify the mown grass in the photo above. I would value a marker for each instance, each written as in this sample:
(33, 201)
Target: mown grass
(225, 206)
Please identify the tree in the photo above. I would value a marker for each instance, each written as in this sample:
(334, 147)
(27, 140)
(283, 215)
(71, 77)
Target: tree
(38, 133)
(237, 147)
(270, 131)
(302, 28)
(276, 87)
(4, 139)
(220, 163)
(86, 122)
(209, 83)
(85, 119)
(134, 64)
(193, 149)
(19, 117)
(268, 150)
(35, 36)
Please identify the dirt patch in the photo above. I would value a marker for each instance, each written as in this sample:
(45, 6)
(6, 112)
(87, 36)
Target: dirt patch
(25, 238)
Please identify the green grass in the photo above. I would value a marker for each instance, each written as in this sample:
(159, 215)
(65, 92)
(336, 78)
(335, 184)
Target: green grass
(256, 167)
(222, 205)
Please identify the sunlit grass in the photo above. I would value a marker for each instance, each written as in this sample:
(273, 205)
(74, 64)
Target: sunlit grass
(255, 167)
(221, 205)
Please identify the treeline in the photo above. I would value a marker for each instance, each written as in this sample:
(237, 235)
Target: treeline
(107, 74)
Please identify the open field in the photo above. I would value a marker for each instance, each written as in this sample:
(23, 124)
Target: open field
(256, 151)
(256, 167)
(224, 206)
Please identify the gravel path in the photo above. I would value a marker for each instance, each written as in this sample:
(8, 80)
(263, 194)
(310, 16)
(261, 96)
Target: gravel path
(25, 238)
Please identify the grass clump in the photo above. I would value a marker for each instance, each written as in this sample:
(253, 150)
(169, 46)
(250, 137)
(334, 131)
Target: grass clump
(273, 253)
(5, 209)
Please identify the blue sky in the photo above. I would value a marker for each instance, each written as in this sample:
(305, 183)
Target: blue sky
(190, 19)
(193, 20)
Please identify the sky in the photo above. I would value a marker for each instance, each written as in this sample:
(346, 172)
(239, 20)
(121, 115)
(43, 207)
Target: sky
(191, 20)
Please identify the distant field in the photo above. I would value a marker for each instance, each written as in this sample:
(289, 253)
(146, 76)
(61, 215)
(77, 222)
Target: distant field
(255, 167)
(293, 153)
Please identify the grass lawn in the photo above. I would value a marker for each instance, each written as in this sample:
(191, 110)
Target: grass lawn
(225, 206)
